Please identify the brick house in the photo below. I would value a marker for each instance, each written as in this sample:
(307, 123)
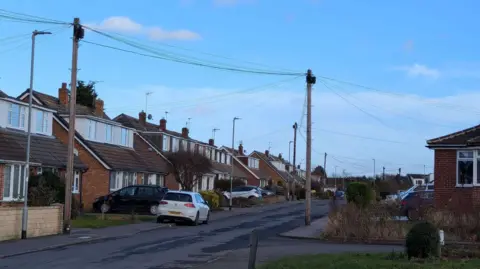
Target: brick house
(46, 151)
(456, 169)
(115, 154)
(274, 166)
(257, 175)
(167, 141)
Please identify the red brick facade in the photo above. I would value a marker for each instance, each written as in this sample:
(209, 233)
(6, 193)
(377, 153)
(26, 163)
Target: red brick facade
(275, 178)
(95, 181)
(447, 194)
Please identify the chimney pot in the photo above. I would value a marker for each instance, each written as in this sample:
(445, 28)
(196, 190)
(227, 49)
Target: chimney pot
(163, 125)
(63, 94)
(185, 132)
(240, 149)
(142, 117)
(266, 152)
(99, 107)
(211, 142)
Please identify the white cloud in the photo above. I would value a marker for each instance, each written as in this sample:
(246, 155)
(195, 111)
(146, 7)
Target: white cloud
(419, 70)
(410, 119)
(126, 25)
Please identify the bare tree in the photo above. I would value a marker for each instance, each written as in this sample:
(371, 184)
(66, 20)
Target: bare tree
(189, 167)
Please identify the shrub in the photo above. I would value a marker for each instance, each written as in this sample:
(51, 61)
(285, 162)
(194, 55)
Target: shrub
(300, 193)
(224, 184)
(422, 241)
(45, 189)
(212, 199)
(359, 193)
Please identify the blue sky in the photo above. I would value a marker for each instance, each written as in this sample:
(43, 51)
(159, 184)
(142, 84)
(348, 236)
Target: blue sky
(418, 58)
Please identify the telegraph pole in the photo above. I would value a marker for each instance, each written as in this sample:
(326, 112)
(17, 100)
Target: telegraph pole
(325, 169)
(78, 33)
(310, 79)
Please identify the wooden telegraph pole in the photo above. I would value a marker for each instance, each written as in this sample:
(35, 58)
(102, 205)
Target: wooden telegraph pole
(310, 79)
(78, 33)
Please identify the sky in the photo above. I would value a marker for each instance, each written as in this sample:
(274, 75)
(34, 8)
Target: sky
(404, 71)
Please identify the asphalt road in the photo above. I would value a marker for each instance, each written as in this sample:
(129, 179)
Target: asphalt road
(174, 247)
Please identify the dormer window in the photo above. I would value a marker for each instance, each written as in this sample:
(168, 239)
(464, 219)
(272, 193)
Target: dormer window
(109, 133)
(124, 137)
(16, 116)
(92, 129)
(41, 122)
(253, 163)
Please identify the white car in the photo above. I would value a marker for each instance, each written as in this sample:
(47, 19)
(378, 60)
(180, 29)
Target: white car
(249, 192)
(183, 206)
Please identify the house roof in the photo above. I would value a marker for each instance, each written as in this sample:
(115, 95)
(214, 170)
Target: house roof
(54, 103)
(255, 172)
(135, 123)
(224, 168)
(44, 150)
(3, 95)
(268, 159)
(466, 137)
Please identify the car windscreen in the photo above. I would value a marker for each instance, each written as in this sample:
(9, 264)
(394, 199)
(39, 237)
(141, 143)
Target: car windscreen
(179, 197)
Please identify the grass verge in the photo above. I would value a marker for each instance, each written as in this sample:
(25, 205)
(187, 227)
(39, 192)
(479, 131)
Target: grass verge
(367, 261)
(95, 221)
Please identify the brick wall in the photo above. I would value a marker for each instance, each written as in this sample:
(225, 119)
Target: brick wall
(272, 173)
(95, 182)
(41, 221)
(171, 183)
(447, 195)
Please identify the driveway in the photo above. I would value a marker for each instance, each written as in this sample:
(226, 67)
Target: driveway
(177, 246)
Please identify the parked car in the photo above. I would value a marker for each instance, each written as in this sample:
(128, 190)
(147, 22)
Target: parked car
(249, 192)
(183, 206)
(141, 198)
(266, 193)
(416, 203)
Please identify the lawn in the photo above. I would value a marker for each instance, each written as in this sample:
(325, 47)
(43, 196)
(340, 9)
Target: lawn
(95, 220)
(366, 261)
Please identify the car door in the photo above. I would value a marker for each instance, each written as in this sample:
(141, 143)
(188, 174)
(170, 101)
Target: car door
(202, 205)
(143, 198)
(126, 200)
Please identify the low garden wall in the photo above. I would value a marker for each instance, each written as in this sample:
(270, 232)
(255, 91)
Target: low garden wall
(42, 220)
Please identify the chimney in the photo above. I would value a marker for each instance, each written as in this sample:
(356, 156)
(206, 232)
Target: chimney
(142, 117)
(240, 149)
(63, 94)
(185, 132)
(280, 156)
(99, 107)
(267, 152)
(211, 142)
(163, 125)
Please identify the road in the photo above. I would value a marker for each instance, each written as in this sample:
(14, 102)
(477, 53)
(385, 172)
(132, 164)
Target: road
(174, 247)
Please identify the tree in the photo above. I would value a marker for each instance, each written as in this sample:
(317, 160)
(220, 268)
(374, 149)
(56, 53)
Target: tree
(86, 93)
(319, 171)
(189, 167)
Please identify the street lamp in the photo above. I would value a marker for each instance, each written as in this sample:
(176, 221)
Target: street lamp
(231, 162)
(29, 136)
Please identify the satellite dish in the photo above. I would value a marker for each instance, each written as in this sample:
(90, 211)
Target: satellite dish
(150, 117)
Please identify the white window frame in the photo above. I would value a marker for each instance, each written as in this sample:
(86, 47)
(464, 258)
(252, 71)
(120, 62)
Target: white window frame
(21, 116)
(108, 138)
(76, 182)
(253, 163)
(41, 121)
(124, 136)
(184, 145)
(166, 143)
(11, 179)
(475, 158)
(228, 159)
(92, 130)
(175, 144)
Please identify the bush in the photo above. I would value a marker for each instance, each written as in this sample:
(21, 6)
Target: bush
(300, 194)
(45, 189)
(224, 184)
(422, 241)
(359, 193)
(212, 198)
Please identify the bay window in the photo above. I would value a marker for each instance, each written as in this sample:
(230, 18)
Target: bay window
(155, 179)
(13, 182)
(119, 179)
(16, 116)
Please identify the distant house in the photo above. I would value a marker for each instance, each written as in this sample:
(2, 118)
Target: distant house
(256, 174)
(275, 167)
(47, 153)
(456, 170)
(418, 179)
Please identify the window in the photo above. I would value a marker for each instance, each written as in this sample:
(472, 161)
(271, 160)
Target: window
(130, 191)
(175, 144)
(253, 163)
(92, 129)
(179, 197)
(184, 145)
(208, 153)
(145, 191)
(201, 150)
(119, 180)
(41, 122)
(228, 159)
(155, 179)
(108, 133)
(124, 137)
(13, 182)
(222, 157)
(16, 116)
(465, 167)
(166, 143)
(76, 183)
(217, 156)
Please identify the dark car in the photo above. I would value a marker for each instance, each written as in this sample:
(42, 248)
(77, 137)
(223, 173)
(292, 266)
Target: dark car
(141, 198)
(416, 204)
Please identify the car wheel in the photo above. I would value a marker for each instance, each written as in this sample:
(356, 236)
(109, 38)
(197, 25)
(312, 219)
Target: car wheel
(208, 218)
(160, 219)
(197, 217)
(251, 197)
(153, 209)
(104, 208)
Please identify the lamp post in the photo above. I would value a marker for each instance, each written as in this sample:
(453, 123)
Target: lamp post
(29, 136)
(231, 162)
